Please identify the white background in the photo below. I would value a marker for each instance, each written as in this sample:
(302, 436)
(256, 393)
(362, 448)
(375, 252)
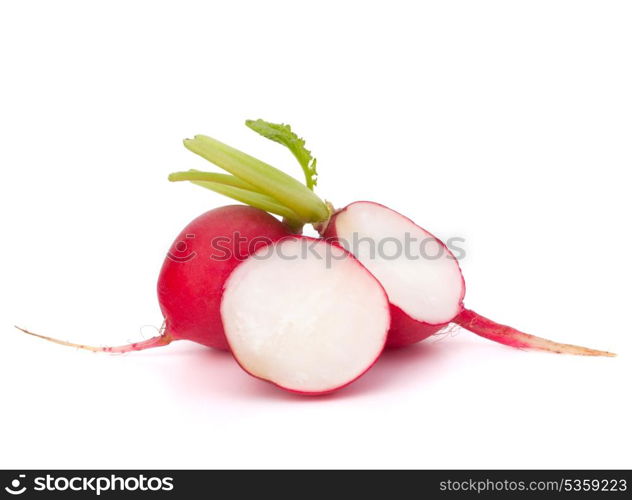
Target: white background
(506, 123)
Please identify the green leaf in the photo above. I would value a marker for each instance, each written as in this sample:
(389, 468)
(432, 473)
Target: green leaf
(281, 133)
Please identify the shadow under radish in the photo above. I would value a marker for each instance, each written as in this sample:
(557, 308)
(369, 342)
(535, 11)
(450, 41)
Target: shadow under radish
(209, 373)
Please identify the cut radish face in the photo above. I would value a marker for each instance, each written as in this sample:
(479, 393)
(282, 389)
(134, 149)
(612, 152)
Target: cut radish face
(304, 315)
(421, 276)
(424, 279)
(308, 315)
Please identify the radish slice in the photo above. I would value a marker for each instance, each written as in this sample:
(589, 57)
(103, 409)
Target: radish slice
(304, 315)
(423, 279)
(420, 275)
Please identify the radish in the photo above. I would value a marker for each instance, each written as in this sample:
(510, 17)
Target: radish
(193, 274)
(199, 262)
(425, 291)
(308, 315)
(425, 288)
(304, 315)
(300, 313)
(426, 294)
(190, 289)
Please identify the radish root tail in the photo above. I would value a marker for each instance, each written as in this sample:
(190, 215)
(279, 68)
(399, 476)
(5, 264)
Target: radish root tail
(506, 335)
(158, 341)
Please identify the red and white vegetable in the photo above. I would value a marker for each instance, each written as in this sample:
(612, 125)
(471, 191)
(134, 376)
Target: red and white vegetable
(308, 321)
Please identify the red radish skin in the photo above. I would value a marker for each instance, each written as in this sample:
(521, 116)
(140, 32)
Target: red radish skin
(406, 329)
(507, 335)
(193, 274)
(190, 292)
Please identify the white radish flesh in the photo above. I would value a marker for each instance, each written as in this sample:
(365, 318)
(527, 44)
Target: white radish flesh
(422, 278)
(304, 315)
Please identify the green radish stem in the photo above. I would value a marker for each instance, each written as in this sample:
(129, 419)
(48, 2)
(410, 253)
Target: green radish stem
(251, 198)
(233, 190)
(265, 178)
(258, 184)
(198, 175)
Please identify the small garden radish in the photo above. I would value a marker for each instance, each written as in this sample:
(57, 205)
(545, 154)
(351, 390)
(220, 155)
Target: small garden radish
(425, 294)
(295, 311)
(199, 262)
(308, 315)
(426, 289)
(192, 277)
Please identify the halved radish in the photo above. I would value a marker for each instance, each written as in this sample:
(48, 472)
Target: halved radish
(199, 261)
(304, 315)
(423, 281)
(193, 273)
(425, 287)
